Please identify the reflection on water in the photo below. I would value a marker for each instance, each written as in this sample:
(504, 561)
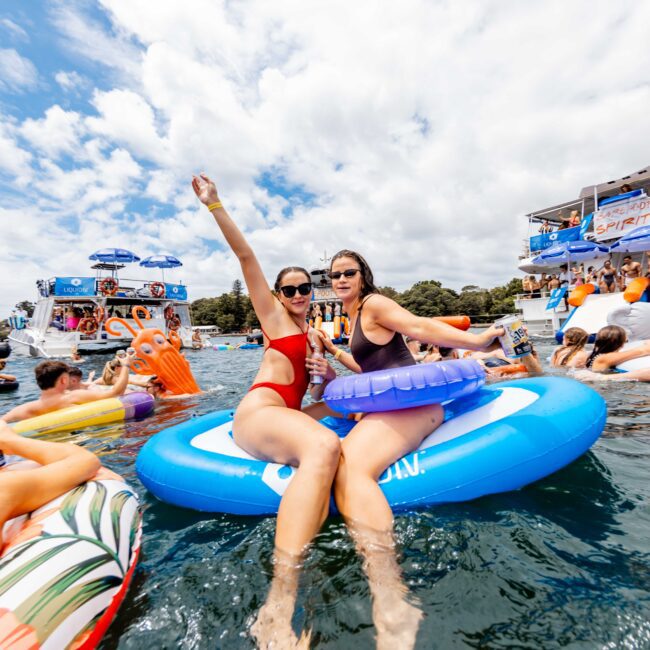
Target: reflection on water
(563, 563)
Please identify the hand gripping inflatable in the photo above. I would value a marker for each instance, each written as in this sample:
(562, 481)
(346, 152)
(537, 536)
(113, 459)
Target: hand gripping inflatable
(406, 387)
(578, 295)
(501, 438)
(65, 568)
(157, 356)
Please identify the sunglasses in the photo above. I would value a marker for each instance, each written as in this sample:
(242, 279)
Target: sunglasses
(304, 289)
(348, 273)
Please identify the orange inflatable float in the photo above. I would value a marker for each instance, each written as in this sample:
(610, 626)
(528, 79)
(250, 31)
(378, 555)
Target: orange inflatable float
(578, 295)
(337, 327)
(636, 289)
(156, 355)
(459, 322)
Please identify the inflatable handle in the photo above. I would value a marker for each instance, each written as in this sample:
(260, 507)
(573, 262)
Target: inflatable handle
(318, 323)
(135, 313)
(121, 321)
(175, 339)
(337, 327)
(579, 294)
(459, 322)
(636, 289)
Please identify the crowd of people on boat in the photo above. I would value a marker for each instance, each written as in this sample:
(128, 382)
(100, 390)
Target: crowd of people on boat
(607, 278)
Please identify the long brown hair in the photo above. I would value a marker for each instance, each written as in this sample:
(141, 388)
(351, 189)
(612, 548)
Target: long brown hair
(576, 338)
(368, 283)
(608, 339)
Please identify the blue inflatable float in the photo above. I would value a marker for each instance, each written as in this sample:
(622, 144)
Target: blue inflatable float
(501, 438)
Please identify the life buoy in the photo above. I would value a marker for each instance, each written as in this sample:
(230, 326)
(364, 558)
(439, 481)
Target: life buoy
(109, 286)
(169, 312)
(174, 323)
(87, 326)
(405, 387)
(99, 314)
(157, 290)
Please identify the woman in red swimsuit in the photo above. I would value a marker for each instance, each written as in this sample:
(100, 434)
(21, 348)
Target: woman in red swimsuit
(380, 439)
(269, 424)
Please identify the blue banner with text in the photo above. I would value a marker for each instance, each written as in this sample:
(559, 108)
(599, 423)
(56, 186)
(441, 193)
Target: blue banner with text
(175, 291)
(546, 240)
(74, 287)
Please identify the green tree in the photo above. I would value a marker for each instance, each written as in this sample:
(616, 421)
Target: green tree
(389, 292)
(238, 310)
(430, 298)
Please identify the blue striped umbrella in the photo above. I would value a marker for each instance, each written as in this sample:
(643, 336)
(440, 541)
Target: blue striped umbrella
(114, 256)
(161, 262)
(635, 241)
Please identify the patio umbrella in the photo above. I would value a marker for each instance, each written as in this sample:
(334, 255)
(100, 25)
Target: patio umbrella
(635, 241)
(571, 251)
(161, 262)
(114, 256)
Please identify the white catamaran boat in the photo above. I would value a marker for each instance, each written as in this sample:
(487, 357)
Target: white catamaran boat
(322, 295)
(71, 312)
(608, 212)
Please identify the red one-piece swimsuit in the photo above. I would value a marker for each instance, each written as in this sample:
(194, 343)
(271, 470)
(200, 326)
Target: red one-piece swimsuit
(294, 347)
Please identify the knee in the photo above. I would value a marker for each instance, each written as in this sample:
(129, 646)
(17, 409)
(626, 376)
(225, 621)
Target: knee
(325, 451)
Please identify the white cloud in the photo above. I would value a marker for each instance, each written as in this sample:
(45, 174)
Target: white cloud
(16, 72)
(58, 132)
(126, 118)
(16, 31)
(70, 80)
(423, 132)
(13, 159)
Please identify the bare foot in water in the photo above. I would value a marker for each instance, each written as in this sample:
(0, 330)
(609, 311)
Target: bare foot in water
(397, 622)
(272, 629)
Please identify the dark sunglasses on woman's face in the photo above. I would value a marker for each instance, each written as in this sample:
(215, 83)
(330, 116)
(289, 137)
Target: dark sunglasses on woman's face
(303, 289)
(348, 273)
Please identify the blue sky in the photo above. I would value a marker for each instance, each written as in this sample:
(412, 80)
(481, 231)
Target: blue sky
(418, 134)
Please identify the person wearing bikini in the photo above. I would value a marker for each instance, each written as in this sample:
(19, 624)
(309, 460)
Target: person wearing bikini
(629, 271)
(380, 439)
(270, 425)
(607, 278)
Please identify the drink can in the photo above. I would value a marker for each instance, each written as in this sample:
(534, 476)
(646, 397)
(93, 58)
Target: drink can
(515, 341)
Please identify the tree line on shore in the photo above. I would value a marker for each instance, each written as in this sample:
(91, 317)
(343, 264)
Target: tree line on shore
(233, 311)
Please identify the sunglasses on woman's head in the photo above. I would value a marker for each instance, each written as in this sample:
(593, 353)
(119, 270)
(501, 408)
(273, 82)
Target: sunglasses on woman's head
(289, 291)
(348, 273)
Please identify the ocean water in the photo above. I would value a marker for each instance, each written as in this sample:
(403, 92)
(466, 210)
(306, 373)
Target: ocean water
(562, 563)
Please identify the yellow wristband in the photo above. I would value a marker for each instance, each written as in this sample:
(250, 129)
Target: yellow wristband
(214, 206)
(339, 352)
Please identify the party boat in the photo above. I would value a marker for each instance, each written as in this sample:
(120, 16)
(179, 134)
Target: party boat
(614, 222)
(71, 311)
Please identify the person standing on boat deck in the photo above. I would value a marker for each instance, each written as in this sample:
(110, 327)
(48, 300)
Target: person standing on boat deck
(269, 424)
(629, 271)
(546, 227)
(607, 278)
(53, 378)
(380, 439)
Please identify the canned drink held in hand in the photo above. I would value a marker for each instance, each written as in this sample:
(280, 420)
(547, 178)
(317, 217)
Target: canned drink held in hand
(515, 341)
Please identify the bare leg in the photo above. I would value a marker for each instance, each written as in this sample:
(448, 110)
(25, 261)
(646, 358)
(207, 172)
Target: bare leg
(363, 504)
(290, 437)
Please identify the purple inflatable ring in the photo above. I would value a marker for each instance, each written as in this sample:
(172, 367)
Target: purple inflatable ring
(406, 387)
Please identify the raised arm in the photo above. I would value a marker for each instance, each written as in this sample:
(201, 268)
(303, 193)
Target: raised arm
(258, 289)
(387, 313)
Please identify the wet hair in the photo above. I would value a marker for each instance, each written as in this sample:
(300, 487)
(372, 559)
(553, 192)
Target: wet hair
(108, 374)
(368, 281)
(576, 339)
(75, 372)
(608, 339)
(47, 373)
(289, 269)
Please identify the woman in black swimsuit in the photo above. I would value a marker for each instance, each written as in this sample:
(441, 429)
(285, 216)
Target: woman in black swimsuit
(380, 439)
(608, 278)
